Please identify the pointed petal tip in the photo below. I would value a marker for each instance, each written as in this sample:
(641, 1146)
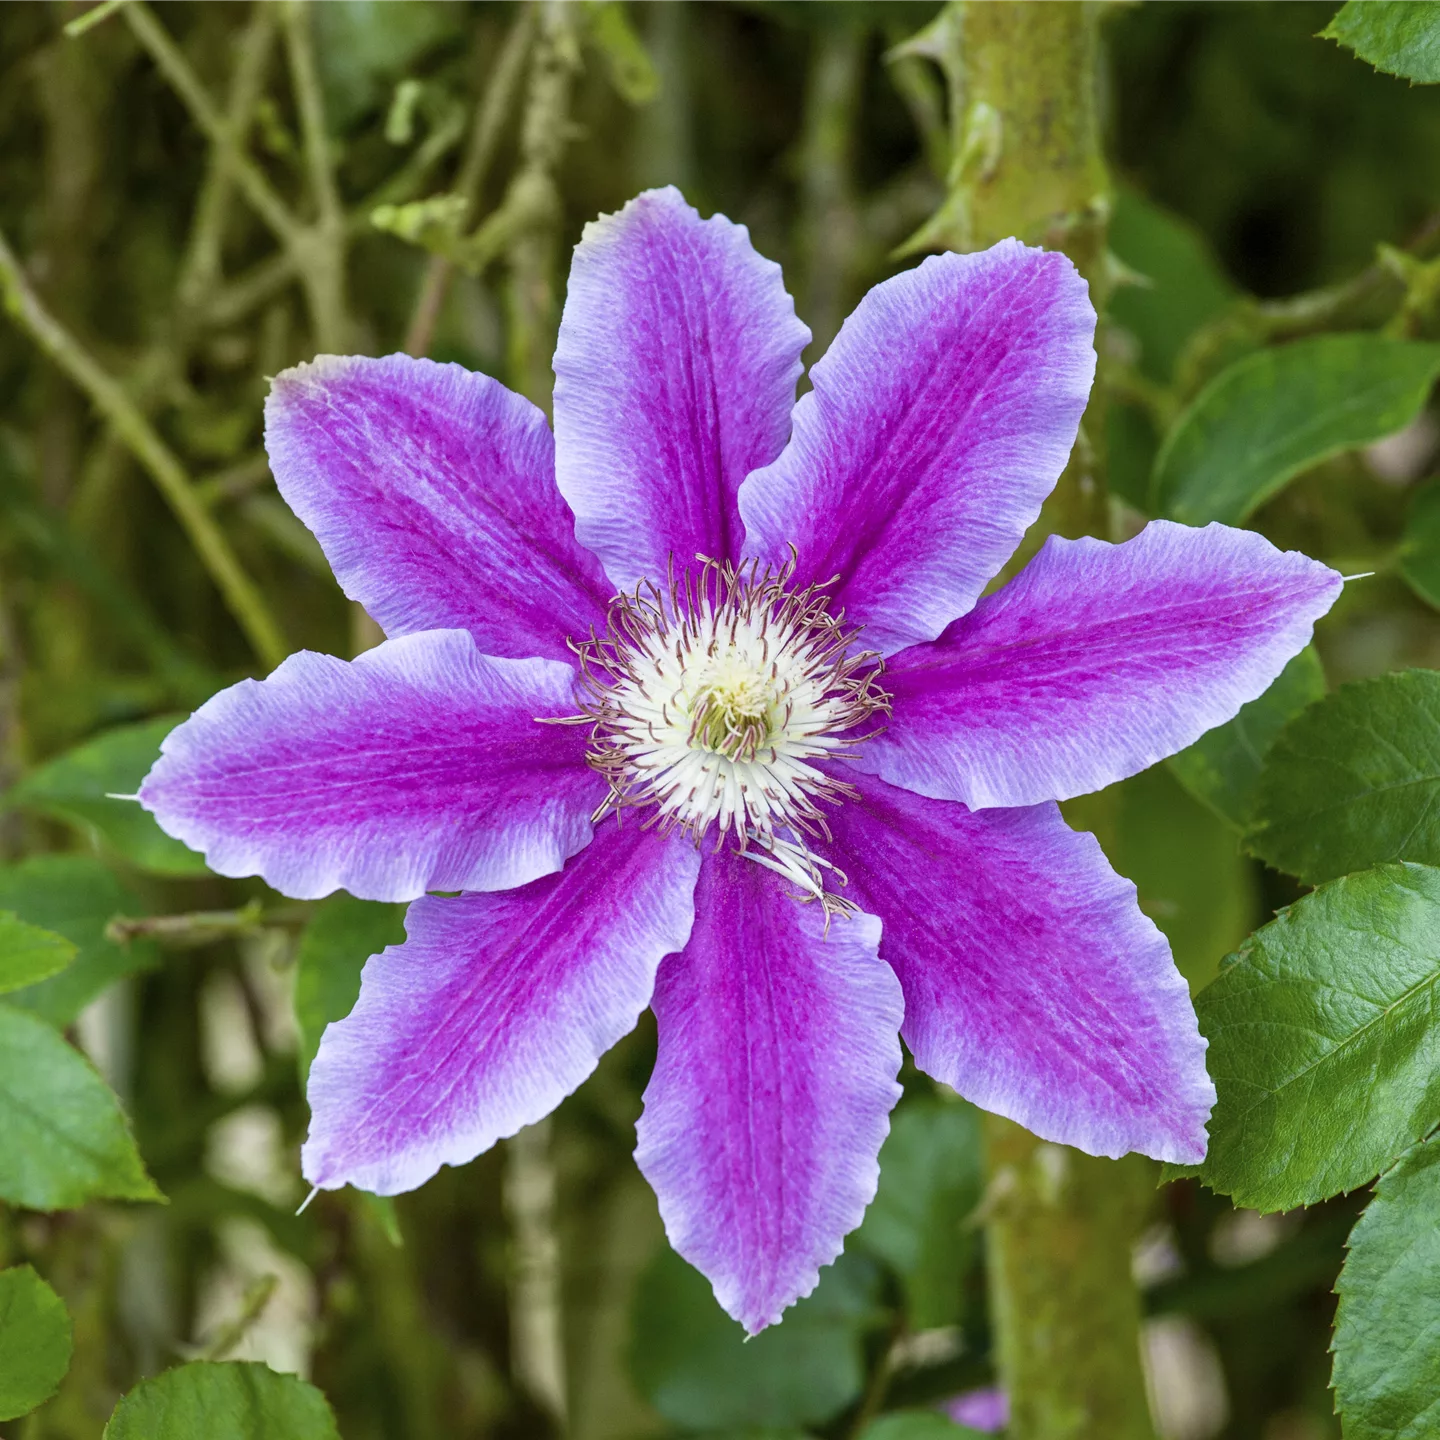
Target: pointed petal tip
(496, 1007)
(327, 775)
(1095, 662)
(758, 1195)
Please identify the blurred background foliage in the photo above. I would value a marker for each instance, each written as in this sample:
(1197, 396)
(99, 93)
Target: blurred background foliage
(1258, 168)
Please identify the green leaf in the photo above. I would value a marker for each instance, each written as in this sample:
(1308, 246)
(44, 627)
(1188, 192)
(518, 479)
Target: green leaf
(1266, 418)
(1354, 780)
(1419, 554)
(66, 1139)
(694, 1365)
(930, 1182)
(1186, 286)
(916, 1425)
(364, 46)
(1324, 1042)
(341, 936)
(75, 787)
(1401, 37)
(75, 896)
(28, 953)
(229, 1400)
(35, 1342)
(1222, 768)
(1387, 1330)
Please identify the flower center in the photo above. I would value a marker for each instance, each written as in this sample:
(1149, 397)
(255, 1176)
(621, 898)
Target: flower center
(711, 701)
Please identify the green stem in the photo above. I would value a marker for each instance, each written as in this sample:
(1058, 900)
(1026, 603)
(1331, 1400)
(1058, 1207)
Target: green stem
(1027, 161)
(201, 269)
(830, 220)
(109, 397)
(527, 221)
(321, 250)
(177, 70)
(537, 1327)
(1059, 1230)
(500, 92)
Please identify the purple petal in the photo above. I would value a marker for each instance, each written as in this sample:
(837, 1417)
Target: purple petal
(420, 766)
(1033, 983)
(432, 491)
(986, 1410)
(1096, 661)
(772, 1088)
(940, 420)
(674, 378)
(494, 1009)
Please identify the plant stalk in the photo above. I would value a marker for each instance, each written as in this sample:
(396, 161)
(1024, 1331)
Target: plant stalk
(242, 596)
(1027, 160)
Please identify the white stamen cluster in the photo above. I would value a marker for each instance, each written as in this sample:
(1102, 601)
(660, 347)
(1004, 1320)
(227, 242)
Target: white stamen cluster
(711, 699)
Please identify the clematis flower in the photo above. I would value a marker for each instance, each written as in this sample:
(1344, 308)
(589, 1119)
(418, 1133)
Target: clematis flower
(701, 707)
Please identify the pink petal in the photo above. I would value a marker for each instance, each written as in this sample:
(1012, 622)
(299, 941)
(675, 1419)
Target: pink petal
(1095, 662)
(420, 766)
(772, 1089)
(1033, 983)
(494, 1009)
(674, 378)
(432, 491)
(940, 420)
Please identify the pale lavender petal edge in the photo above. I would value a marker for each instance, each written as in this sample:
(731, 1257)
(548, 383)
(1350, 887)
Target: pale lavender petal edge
(1096, 661)
(493, 1010)
(939, 421)
(419, 766)
(675, 376)
(1033, 982)
(772, 1089)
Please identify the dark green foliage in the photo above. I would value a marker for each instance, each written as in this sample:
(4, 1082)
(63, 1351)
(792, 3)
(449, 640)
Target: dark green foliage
(81, 786)
(1193, 882)
(1354, 780)
(1387, 1332)
(931, 1179)
(1177, 285)
(1420, 548)
(35, 1341)
(1324, 1045)
(66, 1140)
(695, 1365)
(1401, 37)
(222, 1402)
(333, 949)
(916, 1425)
(76, 897)
(1278, 412)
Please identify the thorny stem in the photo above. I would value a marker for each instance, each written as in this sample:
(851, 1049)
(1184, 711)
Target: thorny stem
(528, 219)
(1027, 161)
(532, 198)
(500, 93)
(831, 222)
(109, 397)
